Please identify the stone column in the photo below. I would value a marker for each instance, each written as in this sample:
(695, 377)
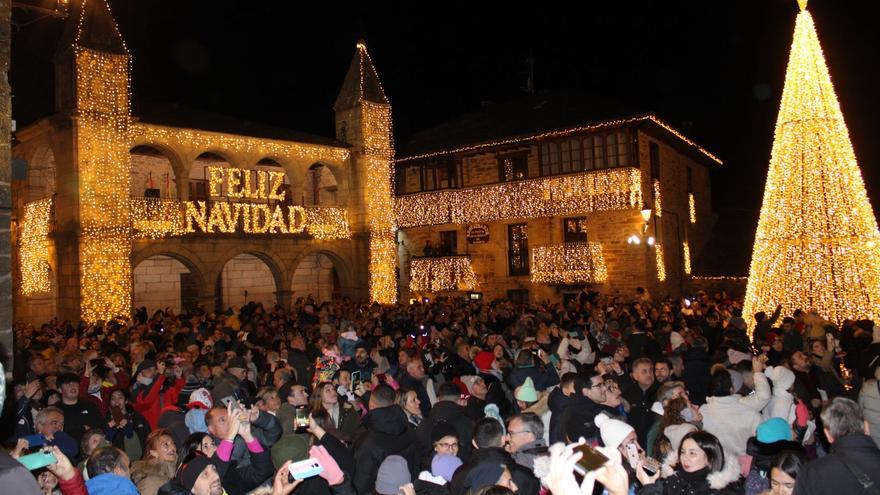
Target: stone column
(5, 185)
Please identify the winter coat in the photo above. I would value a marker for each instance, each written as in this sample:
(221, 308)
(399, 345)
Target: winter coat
(829, 474)
(110, 484)
(74, 486)
(15, 478)
(579, 416)
(640, 415)
(496, 394)
(147, 400)
(103, 402)
(542, 409)
(525, 480)
(150, 474)
(239, 480)
(388, 433)
(696, 375)
(556, 402)
(526, 454)
(266, 429)
(136, 429)
(758, 399)
(724, 482)
(869, 401)
(349, 425)
(543, 377)
(731, 421)
(453, 414)
(174, 419)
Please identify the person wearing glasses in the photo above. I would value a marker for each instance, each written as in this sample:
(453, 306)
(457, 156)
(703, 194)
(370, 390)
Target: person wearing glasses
(525, 439)
(586, 402)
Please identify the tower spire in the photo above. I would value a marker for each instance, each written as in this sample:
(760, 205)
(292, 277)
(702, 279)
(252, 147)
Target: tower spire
(361, 81)
(817, 246)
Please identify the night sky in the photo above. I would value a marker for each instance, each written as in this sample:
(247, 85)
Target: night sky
(713, 69)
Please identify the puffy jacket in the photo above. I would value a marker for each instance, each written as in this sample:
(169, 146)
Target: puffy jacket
(388, 433)
(869, 401)
(150, 474)
(731, 421)
(14, 478)
(830, 474)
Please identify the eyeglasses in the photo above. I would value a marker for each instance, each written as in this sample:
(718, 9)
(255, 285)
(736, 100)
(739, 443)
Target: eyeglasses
(453, 445)
(512, 433)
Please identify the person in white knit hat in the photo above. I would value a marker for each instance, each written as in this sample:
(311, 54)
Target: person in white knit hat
(619, 435)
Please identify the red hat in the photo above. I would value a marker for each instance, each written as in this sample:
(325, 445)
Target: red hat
(484, 360)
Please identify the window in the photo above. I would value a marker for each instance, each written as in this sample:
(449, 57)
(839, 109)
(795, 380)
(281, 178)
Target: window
(448, 242)
(518, 249)
(574, 229)
(550, 158)
(592, 152)
(654, 149)
(513, 166)
(440, 173)
(617, 149)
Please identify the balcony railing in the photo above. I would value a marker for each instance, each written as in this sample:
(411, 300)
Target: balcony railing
(569, 264)
(443, 274)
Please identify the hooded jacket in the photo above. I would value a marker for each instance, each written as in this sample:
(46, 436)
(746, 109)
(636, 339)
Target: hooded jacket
(556, 402)
(731, 421)
(388, 433)
(725, 481)
(781, 404)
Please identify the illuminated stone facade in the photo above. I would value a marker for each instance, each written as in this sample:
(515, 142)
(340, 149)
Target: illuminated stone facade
(573, 192)
(140, 218)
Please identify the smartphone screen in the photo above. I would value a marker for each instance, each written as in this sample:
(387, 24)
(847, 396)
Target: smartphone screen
(355, 379)
(592, 459)
(301, 422)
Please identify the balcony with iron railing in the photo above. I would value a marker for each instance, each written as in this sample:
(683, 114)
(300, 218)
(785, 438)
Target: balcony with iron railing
(569, 264)
(442, 274)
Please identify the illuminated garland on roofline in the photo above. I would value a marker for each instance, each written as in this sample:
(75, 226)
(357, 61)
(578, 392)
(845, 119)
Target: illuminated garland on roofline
(448, 273)
(567, 132)
(569, 263)
(566, 195)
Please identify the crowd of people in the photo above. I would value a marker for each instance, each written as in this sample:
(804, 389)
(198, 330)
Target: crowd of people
(596, 394)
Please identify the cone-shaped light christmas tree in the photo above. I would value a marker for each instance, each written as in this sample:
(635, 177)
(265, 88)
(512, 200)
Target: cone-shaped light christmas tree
(817, 246)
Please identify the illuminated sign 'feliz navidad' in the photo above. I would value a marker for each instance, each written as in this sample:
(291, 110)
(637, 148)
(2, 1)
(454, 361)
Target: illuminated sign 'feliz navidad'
(257, 218)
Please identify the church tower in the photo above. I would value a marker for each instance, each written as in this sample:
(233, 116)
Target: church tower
(363, 120)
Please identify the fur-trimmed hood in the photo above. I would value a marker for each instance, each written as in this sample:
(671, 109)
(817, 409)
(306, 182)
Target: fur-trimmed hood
(718, 480)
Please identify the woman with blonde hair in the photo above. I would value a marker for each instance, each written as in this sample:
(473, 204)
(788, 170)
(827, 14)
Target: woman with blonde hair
(159, 464)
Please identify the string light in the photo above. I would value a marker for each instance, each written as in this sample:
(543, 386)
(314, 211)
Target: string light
(661, 265)
(816, 246)
(34, 247)
(692, 207)
(567, 195)
(378, 155)
(448, 273)
(686, 254)
(569, 263)
(567, 132)
(658, 202)
(719, 278)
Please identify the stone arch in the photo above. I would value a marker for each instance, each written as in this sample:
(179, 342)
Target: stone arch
(249, 275)
(41, 174)
(298, 169)
(166, 279)
(153, 172)
(320, 186)
(344, 272)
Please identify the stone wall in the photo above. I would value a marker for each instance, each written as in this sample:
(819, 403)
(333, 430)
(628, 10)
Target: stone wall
(157, 283)
(246, 278)
(313, 275)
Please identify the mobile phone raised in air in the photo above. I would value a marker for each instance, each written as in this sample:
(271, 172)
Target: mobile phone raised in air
(591, 459)
(355, 379)
(305, 469)
(301, 421)
(37, 460)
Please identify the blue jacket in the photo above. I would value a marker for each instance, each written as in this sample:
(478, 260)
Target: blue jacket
(110, 484)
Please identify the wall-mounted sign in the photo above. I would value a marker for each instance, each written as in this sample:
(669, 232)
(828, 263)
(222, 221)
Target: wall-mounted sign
(478, 233)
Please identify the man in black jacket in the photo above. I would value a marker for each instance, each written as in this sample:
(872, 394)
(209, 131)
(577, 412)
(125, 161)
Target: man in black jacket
(557, 402)
(854, 462)
(489, 443)
(448, 409)
(388, 433)
(585, 403)
(640, 390)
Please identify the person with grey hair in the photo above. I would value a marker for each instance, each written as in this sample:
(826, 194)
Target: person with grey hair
(525, 438)
(854, 463)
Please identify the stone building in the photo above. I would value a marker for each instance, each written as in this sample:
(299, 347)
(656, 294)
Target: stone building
(173, 208)
(541, 197)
